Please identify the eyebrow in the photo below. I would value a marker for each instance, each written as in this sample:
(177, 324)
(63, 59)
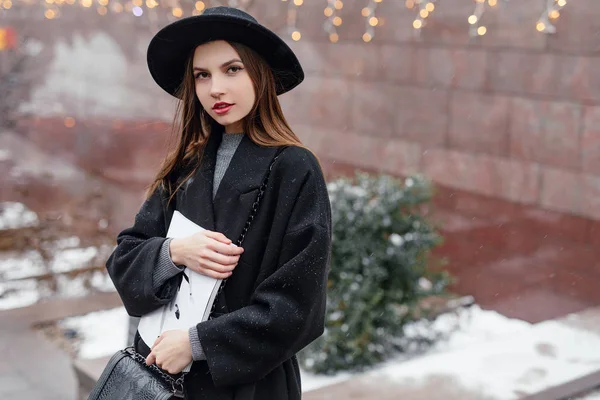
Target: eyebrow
(225, 64)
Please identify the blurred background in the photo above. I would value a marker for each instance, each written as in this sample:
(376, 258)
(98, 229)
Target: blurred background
(490, 110)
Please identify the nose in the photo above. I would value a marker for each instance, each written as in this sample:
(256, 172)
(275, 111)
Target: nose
(216, 89)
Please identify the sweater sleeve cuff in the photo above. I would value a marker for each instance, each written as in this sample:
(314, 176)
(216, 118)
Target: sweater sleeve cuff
(165, 268)
(197, 350)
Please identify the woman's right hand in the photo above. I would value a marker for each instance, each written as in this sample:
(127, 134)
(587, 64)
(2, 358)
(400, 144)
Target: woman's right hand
(206, 252)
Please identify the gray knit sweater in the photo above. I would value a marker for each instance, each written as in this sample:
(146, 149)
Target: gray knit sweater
(165, 268)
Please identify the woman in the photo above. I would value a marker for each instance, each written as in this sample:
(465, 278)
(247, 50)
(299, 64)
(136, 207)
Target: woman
(227, 70)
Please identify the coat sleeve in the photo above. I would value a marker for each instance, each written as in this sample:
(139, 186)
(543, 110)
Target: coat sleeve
(132, 263)
(287, 309)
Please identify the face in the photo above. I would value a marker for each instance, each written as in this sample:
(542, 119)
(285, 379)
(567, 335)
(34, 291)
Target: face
(223, 85)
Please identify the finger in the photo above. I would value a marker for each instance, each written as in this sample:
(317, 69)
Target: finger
(225, 249)
(214, 274)
(157, 341)
(151, 359)
(221, 258)
(218, 236)
(222, 268)
(174, 370)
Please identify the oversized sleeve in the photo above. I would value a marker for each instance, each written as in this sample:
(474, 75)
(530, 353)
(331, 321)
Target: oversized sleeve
(287, 309)
(132, 263)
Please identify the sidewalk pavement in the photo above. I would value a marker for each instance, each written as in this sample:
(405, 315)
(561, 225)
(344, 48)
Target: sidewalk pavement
(32, 368)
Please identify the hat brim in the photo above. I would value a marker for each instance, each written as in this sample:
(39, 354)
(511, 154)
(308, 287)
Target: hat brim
(170, 48)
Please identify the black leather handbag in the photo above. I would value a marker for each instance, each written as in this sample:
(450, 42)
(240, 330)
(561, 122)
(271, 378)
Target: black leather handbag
(127, 377)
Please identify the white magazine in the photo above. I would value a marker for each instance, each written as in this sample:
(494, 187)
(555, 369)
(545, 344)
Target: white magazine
(193, 301)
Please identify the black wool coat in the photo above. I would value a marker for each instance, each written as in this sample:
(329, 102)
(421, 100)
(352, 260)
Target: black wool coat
(274, 303)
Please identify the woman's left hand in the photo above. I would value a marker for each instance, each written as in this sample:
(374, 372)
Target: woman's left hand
(171, 352)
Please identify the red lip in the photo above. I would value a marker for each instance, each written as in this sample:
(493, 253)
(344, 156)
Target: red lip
(221, 104)
(222, 107)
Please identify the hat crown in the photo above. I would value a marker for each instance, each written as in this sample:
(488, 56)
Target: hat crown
(229, 12)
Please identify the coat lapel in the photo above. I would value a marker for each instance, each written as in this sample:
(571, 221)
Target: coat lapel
(196, 201)
(239, 187)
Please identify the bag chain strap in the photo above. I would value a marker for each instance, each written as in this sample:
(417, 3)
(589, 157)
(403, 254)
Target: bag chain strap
(253, 212)
(176, 384)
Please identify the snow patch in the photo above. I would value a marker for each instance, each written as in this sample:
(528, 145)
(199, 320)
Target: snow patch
(15, 215)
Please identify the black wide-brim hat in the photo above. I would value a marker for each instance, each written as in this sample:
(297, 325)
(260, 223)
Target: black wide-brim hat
(170, 48)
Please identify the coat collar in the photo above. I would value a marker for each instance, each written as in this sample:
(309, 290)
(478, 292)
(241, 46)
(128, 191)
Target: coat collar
(195, 200)
(236, 193)
(239, 187)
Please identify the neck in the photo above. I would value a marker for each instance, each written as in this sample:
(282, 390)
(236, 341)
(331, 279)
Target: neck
(234, 128)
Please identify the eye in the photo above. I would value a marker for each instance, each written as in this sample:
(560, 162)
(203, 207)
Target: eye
(201, 75)
(234, 68)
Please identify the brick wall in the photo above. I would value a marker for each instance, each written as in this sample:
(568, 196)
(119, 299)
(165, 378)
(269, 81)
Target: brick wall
(513, 115)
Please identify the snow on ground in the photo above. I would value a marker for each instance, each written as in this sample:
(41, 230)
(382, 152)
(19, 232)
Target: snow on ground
(20, 294)
(16, 215)
(19, 271)
(528, 361)
(20, 265)
(25, 292)
(29, 264)
(102, 333)
(105, 332)
(465, 327)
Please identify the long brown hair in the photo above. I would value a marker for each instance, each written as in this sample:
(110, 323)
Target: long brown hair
(265, 125)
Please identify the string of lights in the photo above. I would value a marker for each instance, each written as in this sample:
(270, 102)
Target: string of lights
(333, 21)
(475, 19)
(551, 13)
(138, 8)
(424, 9)
(292, 18)
(372, 21)
(179, 8)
